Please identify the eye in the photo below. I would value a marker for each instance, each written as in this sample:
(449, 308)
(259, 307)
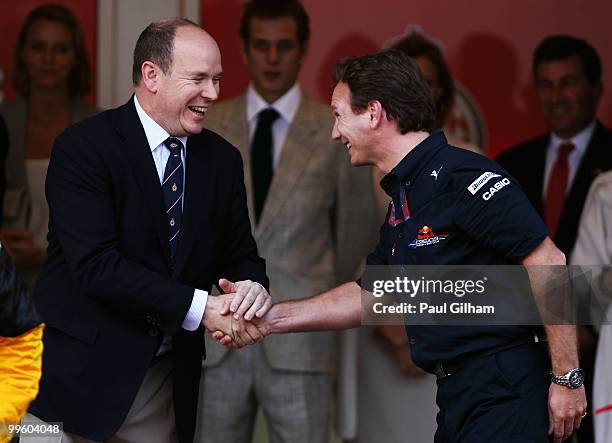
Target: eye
(62, 48)
(36, 46)
(260, 45)
(543, 85)
(285, 46)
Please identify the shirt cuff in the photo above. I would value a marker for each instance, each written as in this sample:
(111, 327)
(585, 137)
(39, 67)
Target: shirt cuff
(193, 319)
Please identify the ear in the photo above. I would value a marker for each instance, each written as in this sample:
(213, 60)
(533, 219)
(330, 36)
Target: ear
(150, 73)
(376, 113)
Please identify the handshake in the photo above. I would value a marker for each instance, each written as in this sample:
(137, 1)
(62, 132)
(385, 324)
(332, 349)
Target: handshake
(236, 318)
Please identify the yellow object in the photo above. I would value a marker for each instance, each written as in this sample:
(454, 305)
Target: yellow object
(20, 369)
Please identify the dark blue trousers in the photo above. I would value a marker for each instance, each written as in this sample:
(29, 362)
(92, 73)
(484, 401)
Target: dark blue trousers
(497, 398)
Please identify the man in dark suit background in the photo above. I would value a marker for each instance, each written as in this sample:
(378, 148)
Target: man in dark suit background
(147, 211)
(556, 170)
(567, 76)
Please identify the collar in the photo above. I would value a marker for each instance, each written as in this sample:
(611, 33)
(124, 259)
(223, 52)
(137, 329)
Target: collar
(156, 135)
(580, 140)
(286, 105)
(409, 167)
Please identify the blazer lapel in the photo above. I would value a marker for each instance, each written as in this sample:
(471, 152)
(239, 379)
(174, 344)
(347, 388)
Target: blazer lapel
(537, 162)
(236, 131)
(136, 148)
(294, 157)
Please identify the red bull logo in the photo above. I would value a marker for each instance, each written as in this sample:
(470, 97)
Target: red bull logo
(425, 237)
(425, 232)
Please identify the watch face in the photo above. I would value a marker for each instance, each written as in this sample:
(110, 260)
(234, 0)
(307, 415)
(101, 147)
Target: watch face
(576, 378)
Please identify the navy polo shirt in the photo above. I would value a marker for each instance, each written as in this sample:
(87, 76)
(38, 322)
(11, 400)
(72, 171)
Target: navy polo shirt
(451, 206)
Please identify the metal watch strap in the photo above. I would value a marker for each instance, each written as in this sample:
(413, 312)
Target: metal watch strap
(565, 379)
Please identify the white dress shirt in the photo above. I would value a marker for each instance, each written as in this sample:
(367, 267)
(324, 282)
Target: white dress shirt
(286, 106)
(156, 135)
(580, 142)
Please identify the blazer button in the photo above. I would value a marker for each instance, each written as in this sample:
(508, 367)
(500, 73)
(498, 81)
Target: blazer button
(153, 332)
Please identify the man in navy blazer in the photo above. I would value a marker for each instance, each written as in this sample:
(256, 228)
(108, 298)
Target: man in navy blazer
(567, 76)
(124, 306)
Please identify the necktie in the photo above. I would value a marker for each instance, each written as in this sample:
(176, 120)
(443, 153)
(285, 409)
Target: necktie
(557, 188)
(261, 158)
(172, 187)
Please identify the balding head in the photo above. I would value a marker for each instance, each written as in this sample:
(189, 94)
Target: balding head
(156, 44)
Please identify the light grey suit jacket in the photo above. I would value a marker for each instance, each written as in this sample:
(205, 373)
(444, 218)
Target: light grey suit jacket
(17, 198)
(317, 224)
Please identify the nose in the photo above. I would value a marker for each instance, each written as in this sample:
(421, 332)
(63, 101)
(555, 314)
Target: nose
(335, 133)
(556, 93)
(48, 55)
(272, 54)
(210, 91)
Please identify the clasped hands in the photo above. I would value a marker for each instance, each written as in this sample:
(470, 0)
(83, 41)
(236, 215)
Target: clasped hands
(234, 318)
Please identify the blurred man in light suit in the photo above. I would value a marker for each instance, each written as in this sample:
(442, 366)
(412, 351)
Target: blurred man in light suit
(307, 207)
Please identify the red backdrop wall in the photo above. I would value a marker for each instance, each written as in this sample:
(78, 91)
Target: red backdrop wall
(12, 17)
(488, 45)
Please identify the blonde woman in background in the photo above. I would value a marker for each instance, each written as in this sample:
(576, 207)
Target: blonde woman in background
(51, 74)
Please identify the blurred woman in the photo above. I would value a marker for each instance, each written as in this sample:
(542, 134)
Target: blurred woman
(51, 74)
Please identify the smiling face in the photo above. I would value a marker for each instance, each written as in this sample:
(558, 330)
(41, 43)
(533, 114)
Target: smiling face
(567, 100)
(273, 55)
(350, 128)
(183, 94)
(49, 54)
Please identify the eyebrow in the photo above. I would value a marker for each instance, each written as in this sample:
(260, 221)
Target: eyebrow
(203, 74)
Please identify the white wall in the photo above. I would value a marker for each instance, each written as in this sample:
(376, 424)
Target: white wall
(120, 22)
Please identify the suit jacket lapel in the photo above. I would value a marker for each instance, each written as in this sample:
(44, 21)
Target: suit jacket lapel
(136, 148)
(591, 164)
(537, 163)
(235, 129)
(294, 157)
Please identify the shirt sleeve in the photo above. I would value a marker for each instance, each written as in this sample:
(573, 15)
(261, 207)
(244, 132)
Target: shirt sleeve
(193, 319)
(491, 208)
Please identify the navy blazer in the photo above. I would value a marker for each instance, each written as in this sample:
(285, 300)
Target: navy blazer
(526, 163)
(107, 291)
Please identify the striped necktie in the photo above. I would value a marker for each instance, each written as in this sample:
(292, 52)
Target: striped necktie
(172, 187)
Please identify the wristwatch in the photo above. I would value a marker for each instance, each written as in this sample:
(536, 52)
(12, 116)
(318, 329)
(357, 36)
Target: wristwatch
(573, 379)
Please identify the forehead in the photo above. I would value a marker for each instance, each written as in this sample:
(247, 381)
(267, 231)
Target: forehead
(196, 50)
(281, 28)
(571, 66)
(49, 29)
(341, 96)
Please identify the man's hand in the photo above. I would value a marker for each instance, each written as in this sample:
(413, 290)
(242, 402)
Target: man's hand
(395, 336)
(22, 249)
(237, 333)
(262, 327)
(565, 410)
(249, 298)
